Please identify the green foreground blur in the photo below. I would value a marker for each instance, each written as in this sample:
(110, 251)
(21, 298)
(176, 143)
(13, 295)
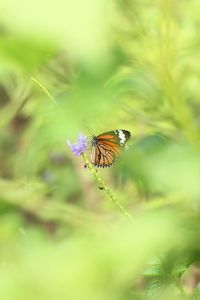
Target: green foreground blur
(93, 66)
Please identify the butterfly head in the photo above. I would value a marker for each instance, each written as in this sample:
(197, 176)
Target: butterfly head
(94, 140)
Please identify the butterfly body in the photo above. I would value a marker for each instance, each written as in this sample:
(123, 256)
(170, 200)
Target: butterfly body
(107, 146)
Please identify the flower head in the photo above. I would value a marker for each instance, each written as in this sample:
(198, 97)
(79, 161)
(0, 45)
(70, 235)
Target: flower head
(80, 146)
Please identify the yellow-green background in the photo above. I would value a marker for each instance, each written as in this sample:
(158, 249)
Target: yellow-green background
(91, 66)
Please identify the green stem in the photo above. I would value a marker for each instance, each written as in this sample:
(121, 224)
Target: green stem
(104, 187)
(43, 88)
(180, 287)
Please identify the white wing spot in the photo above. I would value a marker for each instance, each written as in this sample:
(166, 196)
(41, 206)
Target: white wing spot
(122, 137)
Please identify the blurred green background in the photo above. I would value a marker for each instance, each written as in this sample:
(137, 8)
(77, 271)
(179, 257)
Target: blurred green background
(93, 66)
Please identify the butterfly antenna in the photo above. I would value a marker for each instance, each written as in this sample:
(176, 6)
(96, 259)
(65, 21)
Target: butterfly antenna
(91, 132)
(89, 137)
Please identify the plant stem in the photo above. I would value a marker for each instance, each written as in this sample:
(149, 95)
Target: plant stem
(43, 88)
(104, 187)
(180, 287)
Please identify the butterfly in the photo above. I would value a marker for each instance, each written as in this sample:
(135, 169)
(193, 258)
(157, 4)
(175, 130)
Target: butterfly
(107, 146)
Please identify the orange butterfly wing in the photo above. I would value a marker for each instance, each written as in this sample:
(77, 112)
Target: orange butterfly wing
(107, 147)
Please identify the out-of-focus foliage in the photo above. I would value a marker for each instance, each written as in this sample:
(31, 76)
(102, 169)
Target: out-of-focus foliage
(93, 66)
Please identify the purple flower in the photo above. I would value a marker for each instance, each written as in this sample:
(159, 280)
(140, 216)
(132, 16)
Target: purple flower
(80, 146)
